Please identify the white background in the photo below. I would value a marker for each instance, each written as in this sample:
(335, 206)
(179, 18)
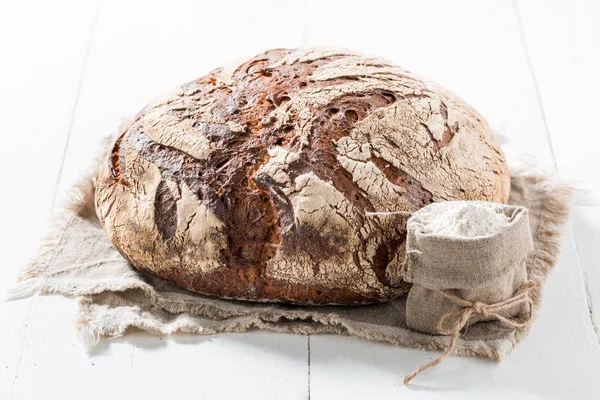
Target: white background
(71, 71)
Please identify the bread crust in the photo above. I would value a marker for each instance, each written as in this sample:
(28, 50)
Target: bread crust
(274, 180)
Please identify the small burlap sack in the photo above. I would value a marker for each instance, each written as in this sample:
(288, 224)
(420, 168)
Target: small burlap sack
(77, 260)
(459, 281)
(488, 270)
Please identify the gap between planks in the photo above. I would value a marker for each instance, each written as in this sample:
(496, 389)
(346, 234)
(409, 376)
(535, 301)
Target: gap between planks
(584, 276)
(534, 80)
(586, 286)
(60, 171)
(86, 57)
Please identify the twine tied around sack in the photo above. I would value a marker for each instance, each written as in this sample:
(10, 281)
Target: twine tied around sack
(459, 318)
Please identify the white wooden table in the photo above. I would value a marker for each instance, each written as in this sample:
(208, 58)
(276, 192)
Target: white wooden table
(71, 71)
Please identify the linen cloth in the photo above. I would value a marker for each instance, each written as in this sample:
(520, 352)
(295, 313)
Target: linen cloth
(77, 260)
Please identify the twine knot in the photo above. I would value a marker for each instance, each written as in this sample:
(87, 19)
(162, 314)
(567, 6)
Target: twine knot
(460, 316)
(480, 308)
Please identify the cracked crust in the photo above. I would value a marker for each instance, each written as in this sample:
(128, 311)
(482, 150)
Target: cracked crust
(274, 180)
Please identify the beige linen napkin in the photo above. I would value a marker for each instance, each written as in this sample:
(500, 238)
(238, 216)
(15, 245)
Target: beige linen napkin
(77, 260)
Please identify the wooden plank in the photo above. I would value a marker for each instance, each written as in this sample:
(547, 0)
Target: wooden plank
(475, 48)
(227, 366)
(40, 74)
(564, 47)
(139, 50)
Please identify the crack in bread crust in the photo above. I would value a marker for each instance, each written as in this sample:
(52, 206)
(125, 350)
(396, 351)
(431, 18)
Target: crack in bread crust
(255, 182)
(117, 162)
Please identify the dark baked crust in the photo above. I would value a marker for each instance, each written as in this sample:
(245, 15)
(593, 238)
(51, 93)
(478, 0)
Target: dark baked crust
(255, 214)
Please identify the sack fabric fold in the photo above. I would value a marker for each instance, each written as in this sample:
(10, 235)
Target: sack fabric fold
(77, 260)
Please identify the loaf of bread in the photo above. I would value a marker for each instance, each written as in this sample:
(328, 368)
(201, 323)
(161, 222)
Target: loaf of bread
(281, 178)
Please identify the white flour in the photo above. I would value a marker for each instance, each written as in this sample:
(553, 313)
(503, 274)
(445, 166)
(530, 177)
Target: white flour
(467, 219)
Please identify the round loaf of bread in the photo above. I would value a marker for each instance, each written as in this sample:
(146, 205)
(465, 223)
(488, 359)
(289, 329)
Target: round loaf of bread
(288, 177)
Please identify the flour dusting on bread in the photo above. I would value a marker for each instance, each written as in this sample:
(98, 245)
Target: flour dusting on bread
(255, 182)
